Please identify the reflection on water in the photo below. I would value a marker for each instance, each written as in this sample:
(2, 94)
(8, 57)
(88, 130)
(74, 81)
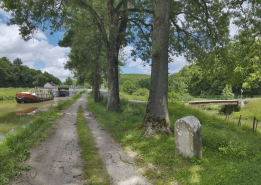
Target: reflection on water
(15, 115)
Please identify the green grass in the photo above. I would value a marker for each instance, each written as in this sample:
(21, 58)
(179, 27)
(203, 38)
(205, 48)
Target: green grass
(127, 96)
(231, 154)
(9, 93)
(94, 171)
(15, 148)
(250, 110)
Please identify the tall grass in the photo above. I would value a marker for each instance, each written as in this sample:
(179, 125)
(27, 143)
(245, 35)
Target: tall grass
(15, 148)
(231, 154)
(250, 110)
(127, 96)
(9, 93)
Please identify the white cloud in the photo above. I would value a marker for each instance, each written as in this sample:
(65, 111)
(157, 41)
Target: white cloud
(139, 65)
(233, 29)
(60, 73)
(178, 64)
(6, 15)
(127, 50)
(133, 63)
(37, 49)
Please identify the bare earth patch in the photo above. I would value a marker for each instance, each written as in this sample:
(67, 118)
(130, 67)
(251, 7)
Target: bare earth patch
(57, 160)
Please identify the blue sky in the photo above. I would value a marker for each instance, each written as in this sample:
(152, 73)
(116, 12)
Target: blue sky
(42, 52)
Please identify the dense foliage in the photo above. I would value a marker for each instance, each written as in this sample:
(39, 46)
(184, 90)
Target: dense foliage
(14, 74)
(242, 75)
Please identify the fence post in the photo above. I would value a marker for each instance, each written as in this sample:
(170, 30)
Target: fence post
(254, 122)
(239, 121)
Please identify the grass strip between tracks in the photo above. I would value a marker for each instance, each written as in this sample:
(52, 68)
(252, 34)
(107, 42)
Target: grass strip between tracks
(14, 150)
(94, 170)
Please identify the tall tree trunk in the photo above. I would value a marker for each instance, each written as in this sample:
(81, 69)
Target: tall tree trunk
(113, 84)
(112, 65)
(96, 83)
(157, 116)
(118, 25)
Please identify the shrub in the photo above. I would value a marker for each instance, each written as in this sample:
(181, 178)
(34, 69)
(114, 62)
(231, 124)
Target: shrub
(142, 92)
(211, 107)
(127, 87)
(228, 109)
(227, 93)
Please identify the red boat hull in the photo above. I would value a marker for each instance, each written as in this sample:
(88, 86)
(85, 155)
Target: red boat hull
(29, 98)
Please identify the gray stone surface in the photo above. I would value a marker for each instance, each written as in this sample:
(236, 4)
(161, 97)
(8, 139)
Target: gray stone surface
(188, 138)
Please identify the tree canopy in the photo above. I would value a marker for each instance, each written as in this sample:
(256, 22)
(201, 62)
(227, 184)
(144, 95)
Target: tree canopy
(17, 75)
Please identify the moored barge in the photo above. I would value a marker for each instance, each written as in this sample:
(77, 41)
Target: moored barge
(34, 97)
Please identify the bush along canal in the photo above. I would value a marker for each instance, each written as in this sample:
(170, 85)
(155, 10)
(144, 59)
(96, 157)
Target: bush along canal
(14, 149)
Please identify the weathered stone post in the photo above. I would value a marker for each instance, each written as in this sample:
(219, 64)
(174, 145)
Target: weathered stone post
(188, 138)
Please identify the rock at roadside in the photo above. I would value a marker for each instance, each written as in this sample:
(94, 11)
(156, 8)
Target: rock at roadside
(188, 138)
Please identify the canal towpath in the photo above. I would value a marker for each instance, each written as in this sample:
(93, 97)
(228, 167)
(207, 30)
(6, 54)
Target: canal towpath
(57, 160)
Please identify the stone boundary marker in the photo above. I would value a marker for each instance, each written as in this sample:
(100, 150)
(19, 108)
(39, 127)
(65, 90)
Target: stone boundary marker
(188, 138)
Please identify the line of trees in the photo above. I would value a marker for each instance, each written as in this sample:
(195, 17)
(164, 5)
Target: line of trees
(97, 30)
(15, 74)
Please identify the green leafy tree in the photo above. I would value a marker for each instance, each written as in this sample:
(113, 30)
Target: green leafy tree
(39, 80)
(227, 93)
(128, 87)
(177, 84)
(18, 62)
(87, 64)
(144, 83)
(68, 81)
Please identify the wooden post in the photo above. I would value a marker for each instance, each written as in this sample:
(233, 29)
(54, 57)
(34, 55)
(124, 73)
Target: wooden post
(239, 121)
(254, 122)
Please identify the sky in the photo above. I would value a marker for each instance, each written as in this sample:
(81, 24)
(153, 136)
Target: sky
(43, 53)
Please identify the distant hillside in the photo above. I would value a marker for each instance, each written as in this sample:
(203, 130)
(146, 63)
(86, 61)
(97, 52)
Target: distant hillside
(132, 77)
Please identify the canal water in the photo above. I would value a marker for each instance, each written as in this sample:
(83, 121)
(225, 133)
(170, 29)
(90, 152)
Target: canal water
(15, 115)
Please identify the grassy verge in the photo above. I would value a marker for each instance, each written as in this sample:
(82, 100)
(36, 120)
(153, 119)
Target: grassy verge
(93, 167)
(250, 110)
(15, 148)
(231, 154)
(9, 93)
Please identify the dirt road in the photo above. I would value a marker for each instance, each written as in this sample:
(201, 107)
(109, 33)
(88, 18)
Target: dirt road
(57, 160)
